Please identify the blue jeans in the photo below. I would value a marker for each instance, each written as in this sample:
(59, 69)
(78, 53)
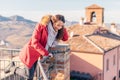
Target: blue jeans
(27, 73)
(30, 72)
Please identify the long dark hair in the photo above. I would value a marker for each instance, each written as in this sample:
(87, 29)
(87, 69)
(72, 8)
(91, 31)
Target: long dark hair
(61, 31)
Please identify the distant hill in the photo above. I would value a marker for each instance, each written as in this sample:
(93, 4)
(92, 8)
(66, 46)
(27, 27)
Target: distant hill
(20, 18)
(15, 18)
(16, 30)
(2, 18)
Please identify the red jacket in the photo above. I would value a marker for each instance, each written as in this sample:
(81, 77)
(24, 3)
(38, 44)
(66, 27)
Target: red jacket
(35, 48)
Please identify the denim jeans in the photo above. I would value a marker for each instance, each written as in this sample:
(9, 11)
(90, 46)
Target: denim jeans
(26, 72)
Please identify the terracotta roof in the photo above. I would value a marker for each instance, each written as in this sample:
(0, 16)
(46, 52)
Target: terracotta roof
(106, 41)
(118, 32)
(79, 43)
(94, 6)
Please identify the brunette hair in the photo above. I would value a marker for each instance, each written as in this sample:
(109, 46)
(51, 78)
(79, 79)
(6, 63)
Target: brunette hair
(61, 31)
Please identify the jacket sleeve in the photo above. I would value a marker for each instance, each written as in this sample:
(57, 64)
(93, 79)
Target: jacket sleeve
(65, 35)
(36, 36)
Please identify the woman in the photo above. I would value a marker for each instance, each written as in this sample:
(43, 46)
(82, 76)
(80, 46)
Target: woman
(49, 31)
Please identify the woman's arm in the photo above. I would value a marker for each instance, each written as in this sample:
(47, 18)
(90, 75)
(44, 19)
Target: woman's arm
(36, 37)
(65, 35)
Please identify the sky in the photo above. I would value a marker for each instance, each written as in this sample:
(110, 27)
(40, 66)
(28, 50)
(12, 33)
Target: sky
(73, 10)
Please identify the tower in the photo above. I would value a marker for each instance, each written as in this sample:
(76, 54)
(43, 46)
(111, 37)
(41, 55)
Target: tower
(95, 14)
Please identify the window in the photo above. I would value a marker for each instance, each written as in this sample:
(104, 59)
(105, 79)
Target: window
(114, 78)
(114, 59)
(93, 17)
(107, 64)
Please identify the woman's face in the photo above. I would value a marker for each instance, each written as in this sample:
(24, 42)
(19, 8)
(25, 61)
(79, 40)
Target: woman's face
(58, 25)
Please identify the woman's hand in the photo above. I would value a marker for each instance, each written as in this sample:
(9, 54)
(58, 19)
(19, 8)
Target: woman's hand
(50, 55)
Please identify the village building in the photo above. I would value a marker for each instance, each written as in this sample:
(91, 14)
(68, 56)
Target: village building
(94, 48)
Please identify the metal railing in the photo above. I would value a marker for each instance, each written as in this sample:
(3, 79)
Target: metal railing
(45, 74)
(8, 76)
(6, 56)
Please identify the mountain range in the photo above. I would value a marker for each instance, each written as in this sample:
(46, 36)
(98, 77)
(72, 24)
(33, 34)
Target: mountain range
(15, 18)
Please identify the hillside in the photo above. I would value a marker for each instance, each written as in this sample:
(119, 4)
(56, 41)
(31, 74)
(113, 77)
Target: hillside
(15, 30)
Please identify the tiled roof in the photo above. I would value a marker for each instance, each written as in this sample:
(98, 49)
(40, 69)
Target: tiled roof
(79, 43)
(94, 6)
(106, 41)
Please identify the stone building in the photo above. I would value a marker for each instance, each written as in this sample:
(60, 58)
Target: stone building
(95, 50)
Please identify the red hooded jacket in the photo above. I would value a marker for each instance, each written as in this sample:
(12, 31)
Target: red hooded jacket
(35, 48)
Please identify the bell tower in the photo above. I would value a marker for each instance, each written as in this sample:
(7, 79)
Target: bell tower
(95, 14)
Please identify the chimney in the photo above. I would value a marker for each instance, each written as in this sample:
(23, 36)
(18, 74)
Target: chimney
(81, 21)
(113, 28)
(103, 25)
(71, 34)
(2, 42)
